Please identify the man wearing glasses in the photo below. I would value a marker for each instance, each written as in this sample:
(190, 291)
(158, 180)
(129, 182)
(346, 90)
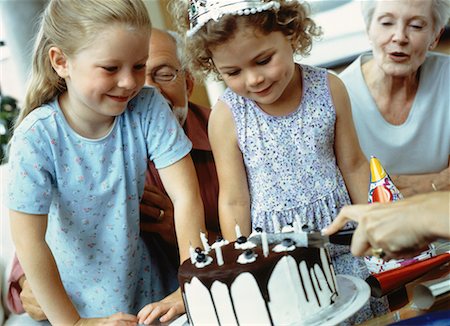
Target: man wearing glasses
(165, 71)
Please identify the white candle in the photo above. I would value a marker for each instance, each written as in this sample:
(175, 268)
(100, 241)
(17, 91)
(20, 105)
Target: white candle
(206, 246)
(297, 224)
(238, 231)
(192, 254)
(265, 244)
(219, 256)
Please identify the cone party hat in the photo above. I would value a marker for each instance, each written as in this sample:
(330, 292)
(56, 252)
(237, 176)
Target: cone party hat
(381, 188)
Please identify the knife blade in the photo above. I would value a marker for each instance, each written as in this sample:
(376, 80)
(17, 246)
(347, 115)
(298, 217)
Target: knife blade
(306, 239)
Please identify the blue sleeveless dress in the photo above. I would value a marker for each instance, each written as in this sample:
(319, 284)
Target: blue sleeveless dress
(291, 167)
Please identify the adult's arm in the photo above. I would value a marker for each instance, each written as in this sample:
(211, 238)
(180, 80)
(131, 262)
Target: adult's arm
(234, 198)
(349, 156)
(402, 228)
(413, 184)
(157, 214)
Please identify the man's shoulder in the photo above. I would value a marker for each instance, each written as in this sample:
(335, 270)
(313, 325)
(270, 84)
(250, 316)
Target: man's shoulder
(196, 126)
(200, 111)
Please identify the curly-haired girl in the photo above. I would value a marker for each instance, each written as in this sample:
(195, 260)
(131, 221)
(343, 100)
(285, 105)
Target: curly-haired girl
(282, 133)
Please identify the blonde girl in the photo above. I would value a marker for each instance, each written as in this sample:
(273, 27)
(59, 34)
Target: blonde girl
(77, 169)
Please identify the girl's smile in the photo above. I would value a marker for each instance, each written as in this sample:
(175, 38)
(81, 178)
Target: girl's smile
(260, 67)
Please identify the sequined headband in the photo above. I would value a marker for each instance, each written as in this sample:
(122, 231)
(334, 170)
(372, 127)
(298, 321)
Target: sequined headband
(202, 11)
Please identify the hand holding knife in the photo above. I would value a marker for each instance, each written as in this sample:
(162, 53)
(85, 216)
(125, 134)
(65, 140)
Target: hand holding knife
(307, 239)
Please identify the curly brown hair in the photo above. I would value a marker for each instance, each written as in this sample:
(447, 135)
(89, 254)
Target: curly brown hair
(292, 19)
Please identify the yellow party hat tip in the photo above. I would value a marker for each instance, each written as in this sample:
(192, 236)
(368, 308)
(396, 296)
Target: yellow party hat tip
(376, 170)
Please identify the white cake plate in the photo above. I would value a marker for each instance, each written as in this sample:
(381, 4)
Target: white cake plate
(353, 294)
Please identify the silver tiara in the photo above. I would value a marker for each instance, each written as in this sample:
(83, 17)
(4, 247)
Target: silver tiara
(202, 11)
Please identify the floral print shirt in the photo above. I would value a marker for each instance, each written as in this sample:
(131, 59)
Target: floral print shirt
(91, 189)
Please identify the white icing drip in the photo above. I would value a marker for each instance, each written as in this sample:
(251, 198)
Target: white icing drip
(248, 301)
(286, 302)
(201, 307)
(223, 304)
(327, 269)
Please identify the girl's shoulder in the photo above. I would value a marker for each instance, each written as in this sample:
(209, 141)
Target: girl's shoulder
(43, 116)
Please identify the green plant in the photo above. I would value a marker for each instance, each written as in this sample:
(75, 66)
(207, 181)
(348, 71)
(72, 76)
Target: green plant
(8, 113)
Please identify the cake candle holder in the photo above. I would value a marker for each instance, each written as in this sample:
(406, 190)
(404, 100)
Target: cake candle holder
(192, 253)
(205, 243)
(219, 255)
(265, 244)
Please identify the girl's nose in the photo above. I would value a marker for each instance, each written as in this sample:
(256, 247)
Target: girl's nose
(127, 81)
(254, 78)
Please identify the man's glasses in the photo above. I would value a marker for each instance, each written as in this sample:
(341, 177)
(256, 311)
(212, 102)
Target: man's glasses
(164, 74)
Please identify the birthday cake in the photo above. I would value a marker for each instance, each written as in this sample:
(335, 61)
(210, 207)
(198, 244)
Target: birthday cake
(240, 283)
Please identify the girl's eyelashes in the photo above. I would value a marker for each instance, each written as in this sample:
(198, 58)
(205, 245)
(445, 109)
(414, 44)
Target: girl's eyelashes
(264, 61)
(140, 66)
(110, 69)
(232, 73)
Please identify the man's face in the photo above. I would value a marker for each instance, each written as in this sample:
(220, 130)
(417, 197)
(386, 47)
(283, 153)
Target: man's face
(163, 61)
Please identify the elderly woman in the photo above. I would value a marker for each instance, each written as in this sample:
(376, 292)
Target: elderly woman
(400, 93)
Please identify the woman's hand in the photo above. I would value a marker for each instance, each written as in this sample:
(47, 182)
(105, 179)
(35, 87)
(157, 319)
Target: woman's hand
(413, 184)
(410, 185)
(168, 308)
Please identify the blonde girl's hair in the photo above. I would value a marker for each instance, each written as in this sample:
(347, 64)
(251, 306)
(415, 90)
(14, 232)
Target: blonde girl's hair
(292, 19)
(72, 25)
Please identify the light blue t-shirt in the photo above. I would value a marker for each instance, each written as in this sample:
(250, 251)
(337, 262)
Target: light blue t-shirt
(90, 189)
(422, 143)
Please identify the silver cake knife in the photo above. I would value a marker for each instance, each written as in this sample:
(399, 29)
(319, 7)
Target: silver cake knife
(306, 239)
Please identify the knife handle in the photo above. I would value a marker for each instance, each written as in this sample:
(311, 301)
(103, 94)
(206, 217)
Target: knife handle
(343, 237)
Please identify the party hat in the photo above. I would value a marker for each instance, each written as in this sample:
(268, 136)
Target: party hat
(381, 188)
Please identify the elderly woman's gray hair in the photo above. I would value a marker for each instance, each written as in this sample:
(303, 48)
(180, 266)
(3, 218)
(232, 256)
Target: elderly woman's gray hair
(440, 11)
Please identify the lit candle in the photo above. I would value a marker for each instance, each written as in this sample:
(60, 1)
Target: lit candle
(219, 256)
(265, 244)
(238, 231)
(192, 253)
(206, 246)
